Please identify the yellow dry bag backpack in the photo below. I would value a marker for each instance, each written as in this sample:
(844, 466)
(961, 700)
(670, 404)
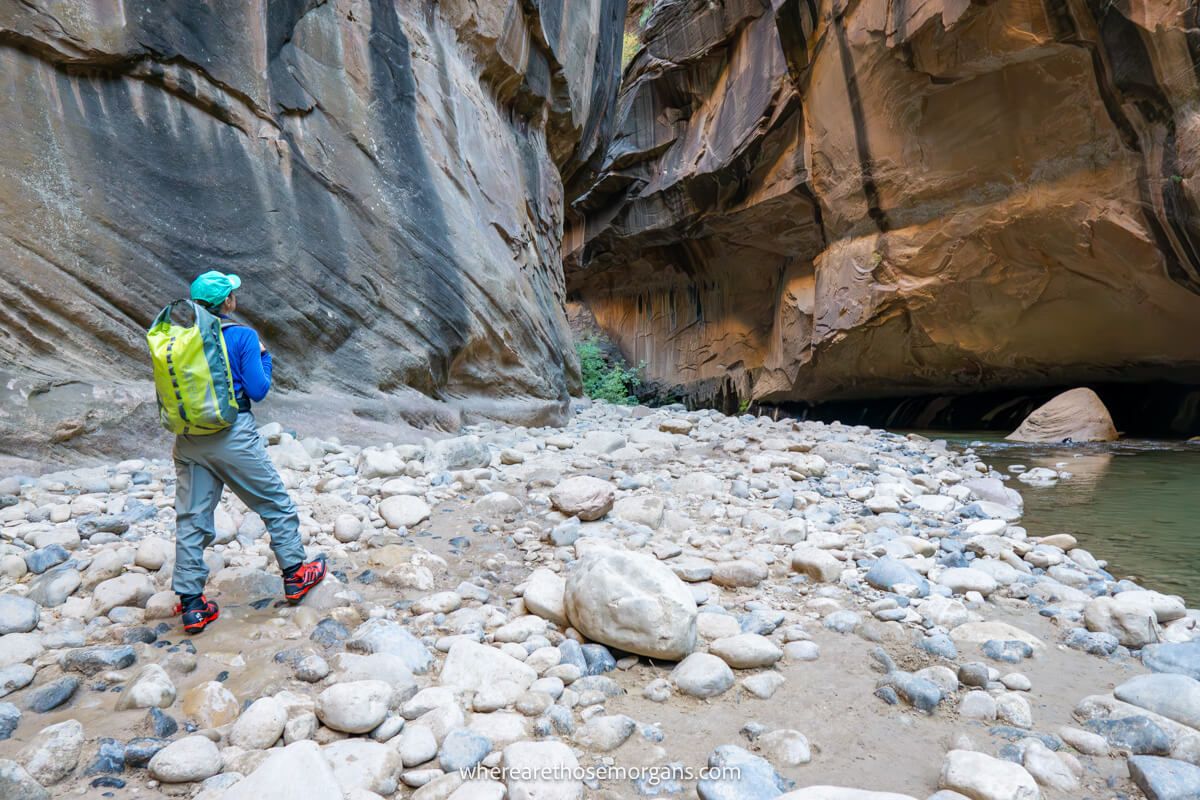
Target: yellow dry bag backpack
(191, 372)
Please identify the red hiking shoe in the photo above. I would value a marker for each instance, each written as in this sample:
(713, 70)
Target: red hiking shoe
(197, 619)
(306, 576)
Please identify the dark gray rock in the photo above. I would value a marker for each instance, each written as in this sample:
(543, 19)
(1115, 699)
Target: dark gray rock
(54, 694)
(561, 719)
(329, 633)
(1165, 778)
(1138, 735)
(599, 660)
(1096, 643)
(139, 634)
(109, 758)
(138, 752)
(92, 524)
(90, 660)
(163, 724)
(741, 775)
(973, 673)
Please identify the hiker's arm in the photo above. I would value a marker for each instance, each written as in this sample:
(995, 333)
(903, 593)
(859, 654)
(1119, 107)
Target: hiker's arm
(255, 368)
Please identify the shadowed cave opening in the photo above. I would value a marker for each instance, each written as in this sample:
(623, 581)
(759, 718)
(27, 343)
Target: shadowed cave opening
(1157, 409)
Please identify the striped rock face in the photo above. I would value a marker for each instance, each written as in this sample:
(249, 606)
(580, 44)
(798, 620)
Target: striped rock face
(810, 201)
(388, 183)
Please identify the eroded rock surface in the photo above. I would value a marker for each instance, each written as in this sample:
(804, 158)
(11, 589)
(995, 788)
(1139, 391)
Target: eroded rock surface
(387, 178)
(807, 201)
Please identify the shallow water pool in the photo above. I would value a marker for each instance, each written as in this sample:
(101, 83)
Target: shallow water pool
(1134, 503)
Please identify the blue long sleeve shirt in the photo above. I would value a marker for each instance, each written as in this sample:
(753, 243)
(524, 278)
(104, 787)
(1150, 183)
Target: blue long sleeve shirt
(250, 364)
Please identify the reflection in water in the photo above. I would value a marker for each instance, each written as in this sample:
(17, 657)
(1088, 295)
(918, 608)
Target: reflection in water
(1134, 503)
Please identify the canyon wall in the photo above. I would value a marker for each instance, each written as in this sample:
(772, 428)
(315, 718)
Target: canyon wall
(804, 200)
(387, 177)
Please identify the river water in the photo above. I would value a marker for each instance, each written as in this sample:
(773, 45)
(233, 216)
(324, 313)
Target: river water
(1134, 503)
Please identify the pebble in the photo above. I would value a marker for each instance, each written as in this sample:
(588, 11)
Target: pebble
(138, 752)
(355, 706)
(417, 745)
(740, 775)
(764, 685)
(110, 758)
(605, 732)
(14, 677)
(746, 651)
(260, 725)
(702, 675)
(1088, 743)
(10, 718)
(150, 688)
(786, 747)
(53, 694)
(192, 758)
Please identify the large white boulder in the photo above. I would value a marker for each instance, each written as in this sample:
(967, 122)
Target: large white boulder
(632, 602)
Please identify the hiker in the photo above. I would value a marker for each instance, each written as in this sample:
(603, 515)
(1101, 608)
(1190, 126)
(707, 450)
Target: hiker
(236, 457)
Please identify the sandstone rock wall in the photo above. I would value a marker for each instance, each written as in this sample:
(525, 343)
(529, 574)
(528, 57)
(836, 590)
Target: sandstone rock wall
(386, 176)
(805, 200)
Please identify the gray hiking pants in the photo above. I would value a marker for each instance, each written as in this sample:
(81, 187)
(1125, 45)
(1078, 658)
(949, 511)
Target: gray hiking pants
(204, 465)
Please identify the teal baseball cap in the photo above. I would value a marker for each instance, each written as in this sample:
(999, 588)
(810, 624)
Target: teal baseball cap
(213, 287)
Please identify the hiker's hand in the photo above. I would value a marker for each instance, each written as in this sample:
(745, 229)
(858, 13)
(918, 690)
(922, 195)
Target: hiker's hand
(262, 348)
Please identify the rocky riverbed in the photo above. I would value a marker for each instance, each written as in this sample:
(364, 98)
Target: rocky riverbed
(645, 603)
